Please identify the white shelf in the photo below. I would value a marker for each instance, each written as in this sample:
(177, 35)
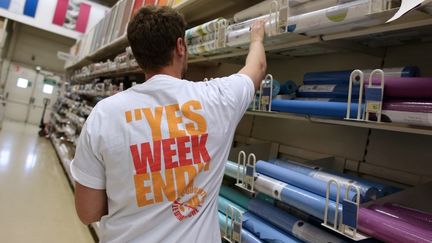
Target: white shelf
(64, 159)
(110, 74)
(379, 126)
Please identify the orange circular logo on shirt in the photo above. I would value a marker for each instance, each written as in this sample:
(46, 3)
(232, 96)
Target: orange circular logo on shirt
(189, 203)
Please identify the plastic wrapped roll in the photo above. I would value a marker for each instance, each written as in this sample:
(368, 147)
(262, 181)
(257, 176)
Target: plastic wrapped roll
(311, 6)
(291, 195)
(290, 224)
(407, 218)
(327, 91)
(202, 48)
(257, 10)
(302, 181)
(411, 112)
(389, 229)
(234, 196)
(410, 212)
(246, 236)
(296, 197)
(202, 39)
(343, 77)
(335, 19)
(368, 192)
(224, 203)
(239, 34)
(203, 29)
(275, 88)
(264, 231)
(315, 108)
(383, 189)
(288, 87)
(231, 169)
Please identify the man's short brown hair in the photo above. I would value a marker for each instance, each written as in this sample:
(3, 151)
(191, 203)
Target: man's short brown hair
(153, 34)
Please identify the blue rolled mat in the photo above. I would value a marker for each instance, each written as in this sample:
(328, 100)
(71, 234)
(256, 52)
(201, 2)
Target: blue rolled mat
(383, 189)
(276, 88)
(315, 108)
(289, 87)
(296, 197)
(246, 236)
(328, 91)
(224, 203)
(302, 181)
(342, 77)
(264, 231)
(344, 100)
(290, 224)
(367, 191)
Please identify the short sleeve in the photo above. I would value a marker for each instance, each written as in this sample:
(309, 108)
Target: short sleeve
(236, 93)
(87, 167)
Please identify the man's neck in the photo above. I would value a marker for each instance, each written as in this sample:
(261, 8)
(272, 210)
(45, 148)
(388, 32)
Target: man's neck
(170, 71)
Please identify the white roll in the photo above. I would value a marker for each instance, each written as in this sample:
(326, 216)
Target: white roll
(311, 6)
(237, 37)
(202, 48)
(259, 9)
(335, 18)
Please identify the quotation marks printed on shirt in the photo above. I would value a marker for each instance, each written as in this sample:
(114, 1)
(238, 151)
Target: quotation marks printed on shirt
(176, 182)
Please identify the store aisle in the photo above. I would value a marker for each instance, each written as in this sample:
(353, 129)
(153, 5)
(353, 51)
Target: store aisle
(37, 203)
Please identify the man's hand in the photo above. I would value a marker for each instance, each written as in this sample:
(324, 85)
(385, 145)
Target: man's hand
(258, 31)
(256, 64)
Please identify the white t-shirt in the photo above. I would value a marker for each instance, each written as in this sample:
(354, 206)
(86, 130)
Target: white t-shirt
(159, 149)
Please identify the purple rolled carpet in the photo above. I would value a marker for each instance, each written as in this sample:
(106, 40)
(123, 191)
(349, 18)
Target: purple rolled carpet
(417, 214)
(388, 229)
(402, 216)
(405, 87)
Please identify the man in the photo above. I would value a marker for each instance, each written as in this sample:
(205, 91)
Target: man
(150, 160)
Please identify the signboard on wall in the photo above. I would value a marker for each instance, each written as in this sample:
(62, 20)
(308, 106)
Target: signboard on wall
(69, 18)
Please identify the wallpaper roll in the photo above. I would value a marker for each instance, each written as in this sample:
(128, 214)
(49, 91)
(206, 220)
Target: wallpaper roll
(407, 218)
(315, 108)
(290, 224)
(203, 29)
(288, 87)
(367, 192)
(291, 195)
(301, 181)
(239, 34)
(202, 48)
(247, 237)
(231, 169)
(327, 91)
(265, 231)
(202, 39)
(388, 229)
(311, 6)
(326, 20)
(417, 214)
(343, 77)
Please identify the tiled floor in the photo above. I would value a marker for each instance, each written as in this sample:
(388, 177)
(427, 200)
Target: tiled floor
(36, 202)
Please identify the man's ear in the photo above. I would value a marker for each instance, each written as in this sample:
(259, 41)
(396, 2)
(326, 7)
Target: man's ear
(181, 47)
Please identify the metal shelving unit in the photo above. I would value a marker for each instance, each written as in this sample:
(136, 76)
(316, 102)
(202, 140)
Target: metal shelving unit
(378, 126)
